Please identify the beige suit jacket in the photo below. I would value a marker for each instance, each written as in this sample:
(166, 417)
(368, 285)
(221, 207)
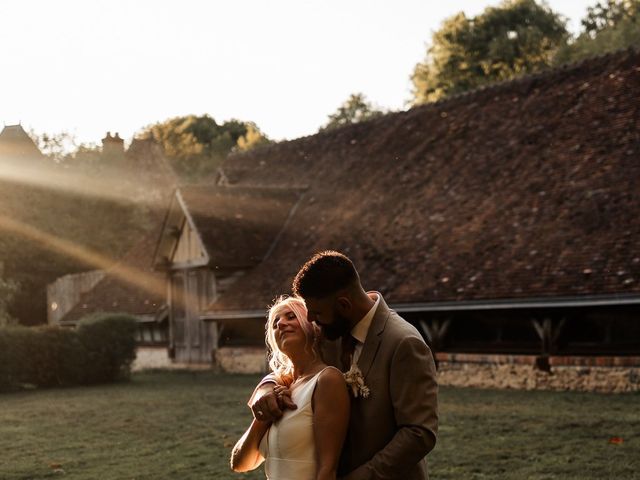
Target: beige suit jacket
(392, 430)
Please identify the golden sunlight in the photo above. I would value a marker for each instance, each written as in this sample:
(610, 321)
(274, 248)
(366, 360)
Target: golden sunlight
(92, 259)
(109, 185)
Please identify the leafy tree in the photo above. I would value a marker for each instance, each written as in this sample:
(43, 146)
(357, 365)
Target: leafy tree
(607, 26)
(196, 144)
(609, 14)
(8, 289)
(85, 154)
(64, 148)
(355, 109)
(253, 138)
(55, 146)
(517, 37)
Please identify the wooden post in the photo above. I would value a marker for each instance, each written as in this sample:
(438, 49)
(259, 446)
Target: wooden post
(216, 335)
(549, 335)
(436, 331)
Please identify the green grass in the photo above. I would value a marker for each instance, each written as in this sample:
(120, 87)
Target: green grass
(182, 425)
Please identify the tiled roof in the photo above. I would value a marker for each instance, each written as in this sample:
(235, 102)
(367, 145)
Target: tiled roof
(146, 158)
(138, 291)
(238, 225)
(525, 189)
(16, 143)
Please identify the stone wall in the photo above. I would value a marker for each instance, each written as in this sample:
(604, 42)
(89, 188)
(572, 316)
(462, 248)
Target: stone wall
(495, 371)
(527, 377)
(227, 360)
(151, 358)
(241, 359)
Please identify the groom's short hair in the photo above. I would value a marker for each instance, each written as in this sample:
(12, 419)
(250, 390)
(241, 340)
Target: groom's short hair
(324, 274)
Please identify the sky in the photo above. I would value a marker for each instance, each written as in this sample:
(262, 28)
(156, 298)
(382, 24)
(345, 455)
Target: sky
(92, 66)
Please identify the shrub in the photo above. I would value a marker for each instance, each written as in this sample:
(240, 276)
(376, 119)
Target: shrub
(109, 340)
(56, 358)
(13, 356)
(100, 350)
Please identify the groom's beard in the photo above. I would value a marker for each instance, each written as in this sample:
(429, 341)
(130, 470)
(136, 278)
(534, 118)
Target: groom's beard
(339, 328)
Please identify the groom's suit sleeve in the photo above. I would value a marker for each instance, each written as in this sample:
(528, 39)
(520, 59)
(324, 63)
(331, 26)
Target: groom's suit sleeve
(414, 391)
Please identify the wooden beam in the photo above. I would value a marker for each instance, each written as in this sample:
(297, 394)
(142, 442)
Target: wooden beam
(435, 332)
(548, 333)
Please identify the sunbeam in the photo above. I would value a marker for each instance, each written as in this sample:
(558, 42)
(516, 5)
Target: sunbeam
(132, 276)
(110, 184)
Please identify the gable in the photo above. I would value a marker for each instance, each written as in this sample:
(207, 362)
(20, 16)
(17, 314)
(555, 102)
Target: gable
(226, 228)
(16, 143)
(189, 249)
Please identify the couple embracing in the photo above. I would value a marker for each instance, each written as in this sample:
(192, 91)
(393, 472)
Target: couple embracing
(352, 393)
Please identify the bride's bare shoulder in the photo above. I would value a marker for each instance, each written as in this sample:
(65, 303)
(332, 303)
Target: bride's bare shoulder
(331, 376)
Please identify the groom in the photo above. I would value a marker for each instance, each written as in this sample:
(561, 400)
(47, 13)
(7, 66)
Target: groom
(393, 428)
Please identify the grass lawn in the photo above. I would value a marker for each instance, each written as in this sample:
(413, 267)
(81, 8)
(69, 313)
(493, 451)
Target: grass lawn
(182, 425)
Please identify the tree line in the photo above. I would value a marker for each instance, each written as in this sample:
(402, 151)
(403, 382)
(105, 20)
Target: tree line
(194, 145)
(514, 38)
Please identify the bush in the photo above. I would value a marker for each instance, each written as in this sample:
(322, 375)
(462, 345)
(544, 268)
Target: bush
(56, 358)
(13, 356)
(100, 350)
(109, 340)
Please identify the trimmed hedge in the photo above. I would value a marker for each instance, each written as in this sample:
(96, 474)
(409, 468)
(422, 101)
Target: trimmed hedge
(100, 350)
(110, 343)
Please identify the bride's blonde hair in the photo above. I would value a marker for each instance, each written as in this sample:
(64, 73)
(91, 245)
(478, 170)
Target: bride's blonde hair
(279, 362)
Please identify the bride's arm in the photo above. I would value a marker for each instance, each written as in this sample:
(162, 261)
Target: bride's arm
(246, 455)
(331, 406)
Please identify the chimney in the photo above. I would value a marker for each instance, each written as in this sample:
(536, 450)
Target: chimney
(112, 146)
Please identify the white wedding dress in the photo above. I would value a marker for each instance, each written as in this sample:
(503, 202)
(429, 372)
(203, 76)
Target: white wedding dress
(288, 446)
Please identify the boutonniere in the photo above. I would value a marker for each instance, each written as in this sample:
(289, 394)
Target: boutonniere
(355, 382)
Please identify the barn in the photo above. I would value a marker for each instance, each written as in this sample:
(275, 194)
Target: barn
(501, 221)
(211, 237)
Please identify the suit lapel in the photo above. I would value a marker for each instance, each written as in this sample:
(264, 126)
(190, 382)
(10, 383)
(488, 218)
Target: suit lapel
(372, 342)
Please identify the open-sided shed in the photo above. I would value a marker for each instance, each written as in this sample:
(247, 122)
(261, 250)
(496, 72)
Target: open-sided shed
(502, 220)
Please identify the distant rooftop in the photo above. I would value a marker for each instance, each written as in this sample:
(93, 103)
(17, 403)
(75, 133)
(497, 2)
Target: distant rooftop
(16, 143)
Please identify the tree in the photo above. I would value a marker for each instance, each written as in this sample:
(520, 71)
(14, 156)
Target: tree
(85, 154)
(517, 37)
(609, 26)
(8, 289)
(195, 145)
(55, 146)
(355, 109)
(253, 138)
(63, 148)
(603, 16)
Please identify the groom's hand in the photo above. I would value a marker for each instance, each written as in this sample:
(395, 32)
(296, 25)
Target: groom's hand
(268, 405)
(283, 395)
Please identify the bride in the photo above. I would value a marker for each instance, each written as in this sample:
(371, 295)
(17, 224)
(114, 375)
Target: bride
(305, 443)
